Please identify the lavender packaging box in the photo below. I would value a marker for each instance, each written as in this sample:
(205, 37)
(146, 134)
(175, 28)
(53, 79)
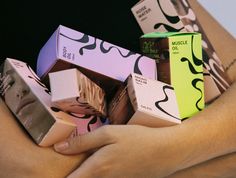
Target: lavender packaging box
(73, 92)
(101, 61)
(150, 102)
(178, 16)
(30, 102)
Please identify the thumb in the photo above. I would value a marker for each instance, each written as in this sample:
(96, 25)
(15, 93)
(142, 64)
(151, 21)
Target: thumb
(86, 142)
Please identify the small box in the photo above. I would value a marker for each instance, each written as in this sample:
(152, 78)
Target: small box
(178, 16)
(146, 102)
(104, 63)
(73, 92)
(30, 102)
(179, 63)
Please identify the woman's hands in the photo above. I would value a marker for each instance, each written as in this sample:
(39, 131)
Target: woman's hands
(125, 151)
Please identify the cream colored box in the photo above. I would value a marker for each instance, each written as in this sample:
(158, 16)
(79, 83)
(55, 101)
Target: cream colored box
(72, 91)
(154, 102)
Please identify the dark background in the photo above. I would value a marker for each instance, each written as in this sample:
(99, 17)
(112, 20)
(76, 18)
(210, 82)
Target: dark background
(25, 26)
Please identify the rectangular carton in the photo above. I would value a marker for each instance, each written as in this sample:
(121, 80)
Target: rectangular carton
(101, 61)
(72, 91)
(146, 102)
(178, 16)
(30, 102)
(179, 63)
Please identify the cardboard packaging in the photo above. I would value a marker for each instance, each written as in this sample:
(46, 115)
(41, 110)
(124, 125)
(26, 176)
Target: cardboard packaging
(30, 102)
(145, 102)
(179, 63)
(178, 16)
(104, 63)
(72, 91)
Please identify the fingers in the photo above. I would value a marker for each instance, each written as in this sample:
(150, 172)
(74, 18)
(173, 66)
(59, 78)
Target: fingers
(89, 141)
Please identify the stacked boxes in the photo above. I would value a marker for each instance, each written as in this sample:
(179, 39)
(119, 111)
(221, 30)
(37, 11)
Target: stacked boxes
(30, 101)
(73, 92)
(146, 102)
(178, 16)
(179, 63)
(104, 63)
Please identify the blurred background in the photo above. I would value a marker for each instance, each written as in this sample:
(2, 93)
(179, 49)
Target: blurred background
(223, 12)
(25, 26)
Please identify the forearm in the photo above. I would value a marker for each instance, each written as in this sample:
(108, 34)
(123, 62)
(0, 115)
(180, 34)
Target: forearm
(20, 157)
(220, 167)
(210, 133)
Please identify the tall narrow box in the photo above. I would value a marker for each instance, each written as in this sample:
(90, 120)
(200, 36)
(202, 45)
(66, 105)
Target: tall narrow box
(30, 101)
(178, 16)
(179, 63)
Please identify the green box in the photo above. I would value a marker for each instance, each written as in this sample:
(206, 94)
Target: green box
(179, 63)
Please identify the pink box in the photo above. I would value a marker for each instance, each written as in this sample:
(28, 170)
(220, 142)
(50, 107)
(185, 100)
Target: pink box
(30, 101)
(101, 61)
(73, 92)
(178, 16)
(145, 102)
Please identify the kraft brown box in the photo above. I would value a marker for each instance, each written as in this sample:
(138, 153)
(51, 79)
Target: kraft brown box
(176, 16)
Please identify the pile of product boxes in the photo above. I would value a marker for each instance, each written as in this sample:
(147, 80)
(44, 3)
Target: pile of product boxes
(83, 82)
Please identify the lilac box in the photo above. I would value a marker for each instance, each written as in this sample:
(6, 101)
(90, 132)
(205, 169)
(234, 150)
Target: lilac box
(69, 48)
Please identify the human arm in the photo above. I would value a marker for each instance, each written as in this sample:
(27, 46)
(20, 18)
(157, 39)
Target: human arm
(21, 157)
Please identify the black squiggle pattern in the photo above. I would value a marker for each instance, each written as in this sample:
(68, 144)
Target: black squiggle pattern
(136, 66)
(197, 62)
(171, 19)
(191, 68)
(167, 27)
(103, 50)
(91, 122)
(157, 104)
(194, 84)
(84, 39)
(88, 47)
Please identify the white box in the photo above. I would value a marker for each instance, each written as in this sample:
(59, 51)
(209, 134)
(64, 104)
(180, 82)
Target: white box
(72, 91)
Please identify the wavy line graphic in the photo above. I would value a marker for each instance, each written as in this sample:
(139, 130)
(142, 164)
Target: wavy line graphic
(171, 19)
(136, 66)
(84, 39)
(104, 50)
(194, 84)
(167, 27)
(157, 104)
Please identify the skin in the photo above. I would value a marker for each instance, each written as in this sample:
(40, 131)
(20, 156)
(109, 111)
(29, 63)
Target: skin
(169, 148)
(203, 146)
(34, 161)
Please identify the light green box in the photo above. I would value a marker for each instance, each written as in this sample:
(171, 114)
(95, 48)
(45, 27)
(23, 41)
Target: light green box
(179, 63)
